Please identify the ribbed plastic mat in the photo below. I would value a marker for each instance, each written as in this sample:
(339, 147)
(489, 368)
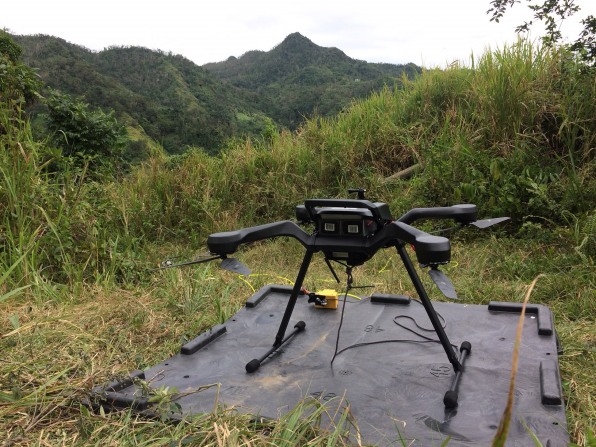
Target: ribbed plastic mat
(392, 378)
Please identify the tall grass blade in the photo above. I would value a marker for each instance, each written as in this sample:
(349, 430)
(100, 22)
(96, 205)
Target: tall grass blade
(500, 438)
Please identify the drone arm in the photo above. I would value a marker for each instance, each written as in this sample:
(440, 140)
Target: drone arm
(227, 242)
(429, 249)
(463, 213)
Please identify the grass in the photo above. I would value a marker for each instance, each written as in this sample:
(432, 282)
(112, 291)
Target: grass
(54, 351)
(514, 134)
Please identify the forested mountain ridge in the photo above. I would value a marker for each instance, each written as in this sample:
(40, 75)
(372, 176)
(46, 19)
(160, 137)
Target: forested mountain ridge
(181, 104)
(298, 77)
(258, 68)
(173, 100)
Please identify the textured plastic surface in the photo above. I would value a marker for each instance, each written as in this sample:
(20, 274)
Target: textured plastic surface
(395, 388)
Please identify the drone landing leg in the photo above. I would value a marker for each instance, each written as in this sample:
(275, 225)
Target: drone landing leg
(293, 297)
(254, 364)
(450, 399)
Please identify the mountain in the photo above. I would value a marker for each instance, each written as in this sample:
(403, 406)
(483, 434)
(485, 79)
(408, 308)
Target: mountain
(168, 97)
(298, 77)
(181, 104)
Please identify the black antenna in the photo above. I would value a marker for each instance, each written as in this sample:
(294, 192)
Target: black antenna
(359, 191)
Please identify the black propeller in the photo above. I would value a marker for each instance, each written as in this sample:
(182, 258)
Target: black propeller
(485, 223)
(234, 265)
(480, 224)
(230, 264)
(440, 279)
(443, 282)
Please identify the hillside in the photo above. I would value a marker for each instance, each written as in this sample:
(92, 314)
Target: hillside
(298, 77)
(174, 101)
(81, 304)
(181, 104)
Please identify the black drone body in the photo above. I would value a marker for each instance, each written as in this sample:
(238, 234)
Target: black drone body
(384, 359)
(351, 232)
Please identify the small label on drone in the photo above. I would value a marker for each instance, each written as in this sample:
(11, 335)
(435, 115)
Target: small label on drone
(339, 255)
(354, 229)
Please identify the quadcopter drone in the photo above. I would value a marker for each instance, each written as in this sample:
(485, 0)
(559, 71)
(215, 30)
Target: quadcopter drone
(350, 232)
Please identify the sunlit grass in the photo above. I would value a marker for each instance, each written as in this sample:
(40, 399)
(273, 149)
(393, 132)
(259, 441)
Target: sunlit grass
(514, 134)
(55, 352)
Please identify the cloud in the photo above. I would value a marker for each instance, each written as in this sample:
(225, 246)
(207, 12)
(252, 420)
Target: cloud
(426, 32)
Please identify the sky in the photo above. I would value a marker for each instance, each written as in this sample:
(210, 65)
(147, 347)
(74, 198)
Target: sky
(429, 33)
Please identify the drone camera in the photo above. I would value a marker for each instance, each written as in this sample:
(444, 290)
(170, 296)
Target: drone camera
(346, 222)
(344, 218)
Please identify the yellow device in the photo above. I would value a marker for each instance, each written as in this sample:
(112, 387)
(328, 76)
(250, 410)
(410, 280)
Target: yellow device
(330, 297)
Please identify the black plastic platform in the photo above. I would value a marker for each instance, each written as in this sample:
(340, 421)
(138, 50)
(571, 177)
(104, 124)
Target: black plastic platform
(394, 382)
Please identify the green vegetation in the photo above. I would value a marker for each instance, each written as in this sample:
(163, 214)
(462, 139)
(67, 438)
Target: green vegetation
(515, 133)
(169, 99)
(298, 78)
(552, 14)
(89, 138)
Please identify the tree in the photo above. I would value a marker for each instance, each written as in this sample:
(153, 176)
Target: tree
(19, 84)
(552, 13)
(89, 136)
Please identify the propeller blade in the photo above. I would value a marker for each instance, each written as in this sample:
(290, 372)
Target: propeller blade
(443, 283)
(485, 223)
(169, 264)
(233, 265)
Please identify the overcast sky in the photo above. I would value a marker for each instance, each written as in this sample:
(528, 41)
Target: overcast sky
(430, 33)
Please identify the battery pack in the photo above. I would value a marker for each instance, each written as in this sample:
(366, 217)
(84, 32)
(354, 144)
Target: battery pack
(330, 296)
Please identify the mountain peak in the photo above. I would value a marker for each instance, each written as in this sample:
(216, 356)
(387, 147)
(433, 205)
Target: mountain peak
(300, 51)
(296, 37)
(296, 43)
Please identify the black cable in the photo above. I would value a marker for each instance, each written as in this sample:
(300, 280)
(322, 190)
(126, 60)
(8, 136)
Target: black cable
(343, 308)
(424, 337)
(443, 323)
(418, 326)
